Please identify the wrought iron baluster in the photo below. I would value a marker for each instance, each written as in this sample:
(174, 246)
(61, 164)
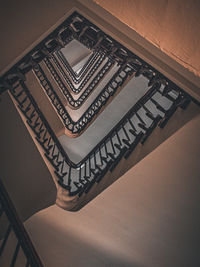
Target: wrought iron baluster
(139, 118)
(125, 132)
(148, 112)
(80, 180)
(89, 165)
(15, 255)
(100, 156)
(5, 239)
(69, 179)
(85, 171)
(132, 125)
(106, 149)
(158, 106)
(1, 212)
(77, 77)
(112, 145)
(118, 138)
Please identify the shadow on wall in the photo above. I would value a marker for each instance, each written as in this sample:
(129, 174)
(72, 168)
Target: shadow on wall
(68, 248)
(149, 217)
(22, 170)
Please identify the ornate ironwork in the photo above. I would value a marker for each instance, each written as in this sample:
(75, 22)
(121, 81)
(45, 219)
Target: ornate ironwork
(98, 59)
(76, 77)
(111, 88)
(79, 28)
(74, 104)
(134, 127)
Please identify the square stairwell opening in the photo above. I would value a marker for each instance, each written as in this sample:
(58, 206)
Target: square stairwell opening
(76, 54)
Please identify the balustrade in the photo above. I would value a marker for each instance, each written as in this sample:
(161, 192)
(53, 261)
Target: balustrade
(154, 109)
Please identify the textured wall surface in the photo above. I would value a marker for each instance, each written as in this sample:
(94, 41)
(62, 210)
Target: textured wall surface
(172, 25)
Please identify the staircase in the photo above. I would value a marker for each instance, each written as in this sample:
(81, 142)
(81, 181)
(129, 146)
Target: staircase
(46, 89)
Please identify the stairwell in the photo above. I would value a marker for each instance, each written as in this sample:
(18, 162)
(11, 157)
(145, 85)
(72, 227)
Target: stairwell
(58, 100)
(44, 112)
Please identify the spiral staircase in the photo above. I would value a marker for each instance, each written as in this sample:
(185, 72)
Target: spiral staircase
(93, 109)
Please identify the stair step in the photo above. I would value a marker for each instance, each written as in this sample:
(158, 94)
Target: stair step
(142, 126)
(111, 156)
(148, 114)
(93, 171)
(126, 142)
(87, 178)
(104, 159)
(118, 147)
(98, 167)
(133, 132)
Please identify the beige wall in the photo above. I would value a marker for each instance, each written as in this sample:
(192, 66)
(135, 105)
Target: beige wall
(22, 169)
(172, 26)
(23, 25)
(150, 217)
(23, 22)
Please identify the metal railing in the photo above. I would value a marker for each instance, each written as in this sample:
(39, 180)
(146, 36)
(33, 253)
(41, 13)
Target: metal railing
(88, 90)
(102, 47)
(155, 108)
(15, 226)
(110, 89)
(76, 77)
(68, 76)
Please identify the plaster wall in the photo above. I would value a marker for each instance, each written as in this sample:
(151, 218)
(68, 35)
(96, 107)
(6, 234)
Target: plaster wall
(172, 26)
(22, 170)
(22, 24)
(148, 218)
